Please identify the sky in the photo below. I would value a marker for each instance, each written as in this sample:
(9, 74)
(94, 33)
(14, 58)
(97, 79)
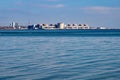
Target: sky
(95, 13)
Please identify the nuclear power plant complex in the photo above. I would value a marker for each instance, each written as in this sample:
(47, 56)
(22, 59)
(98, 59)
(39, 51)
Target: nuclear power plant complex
(62, 25)
(59, 26)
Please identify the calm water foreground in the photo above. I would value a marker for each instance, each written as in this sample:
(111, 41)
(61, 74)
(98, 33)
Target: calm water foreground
(59, 58)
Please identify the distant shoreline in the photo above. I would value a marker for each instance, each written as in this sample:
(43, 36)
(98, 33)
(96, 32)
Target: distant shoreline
(25, 28)
(62, 32)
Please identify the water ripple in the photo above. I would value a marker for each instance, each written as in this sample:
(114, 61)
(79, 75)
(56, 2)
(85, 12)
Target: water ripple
(60, 58)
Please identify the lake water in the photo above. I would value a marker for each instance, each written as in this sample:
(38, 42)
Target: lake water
(59, 58)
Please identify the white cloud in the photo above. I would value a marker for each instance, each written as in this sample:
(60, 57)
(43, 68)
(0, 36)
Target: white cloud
(101, 9)
(59, 5)
(50, 6)
(53, 0)
(19, 3)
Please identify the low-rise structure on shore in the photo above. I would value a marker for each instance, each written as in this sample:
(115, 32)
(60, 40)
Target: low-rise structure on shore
(16, 26)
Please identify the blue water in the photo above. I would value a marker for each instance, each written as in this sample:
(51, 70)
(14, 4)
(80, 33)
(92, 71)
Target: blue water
(59, 58)
(62, 32)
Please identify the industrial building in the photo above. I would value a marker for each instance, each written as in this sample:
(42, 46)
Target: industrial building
(59, 26)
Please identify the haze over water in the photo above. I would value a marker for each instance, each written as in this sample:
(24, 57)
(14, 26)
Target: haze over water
(59, 58)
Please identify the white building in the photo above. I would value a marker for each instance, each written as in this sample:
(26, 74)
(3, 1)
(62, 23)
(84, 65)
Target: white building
(47, 26)
(15, 25)
(61, 25)
(77, 26)
(83, 26)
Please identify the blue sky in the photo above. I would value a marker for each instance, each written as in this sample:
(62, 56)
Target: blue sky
(95, 13)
